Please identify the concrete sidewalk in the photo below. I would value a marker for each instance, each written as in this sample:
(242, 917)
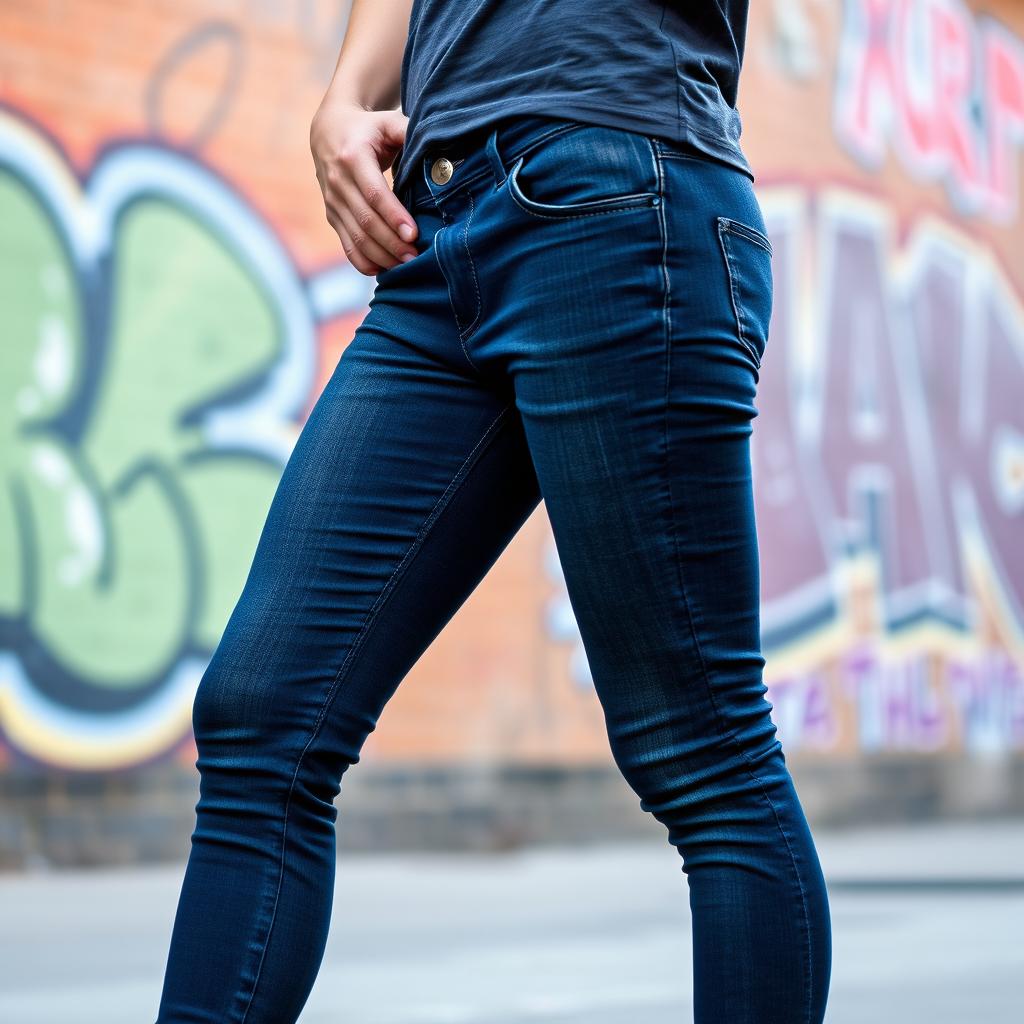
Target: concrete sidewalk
(983, 853)
(595, 934)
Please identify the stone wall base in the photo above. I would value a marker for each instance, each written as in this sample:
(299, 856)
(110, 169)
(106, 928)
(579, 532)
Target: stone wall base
(80, 820)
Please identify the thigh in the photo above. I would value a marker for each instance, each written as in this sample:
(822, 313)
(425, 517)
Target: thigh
(636, 378)
(407, 481)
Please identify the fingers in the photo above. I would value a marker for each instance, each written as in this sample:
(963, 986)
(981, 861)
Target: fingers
(363, 241)
(361, 204)
(392, 217)
(350, 148)
(369, 230)
(354, 254)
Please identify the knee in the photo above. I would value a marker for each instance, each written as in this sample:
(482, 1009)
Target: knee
(232, 709)
(686, 785)
(254, 717)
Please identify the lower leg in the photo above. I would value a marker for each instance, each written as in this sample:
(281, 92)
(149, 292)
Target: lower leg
(652, 511)
(359, 567)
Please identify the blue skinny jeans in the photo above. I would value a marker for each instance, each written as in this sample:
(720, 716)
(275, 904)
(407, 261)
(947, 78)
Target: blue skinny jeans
(584, 323)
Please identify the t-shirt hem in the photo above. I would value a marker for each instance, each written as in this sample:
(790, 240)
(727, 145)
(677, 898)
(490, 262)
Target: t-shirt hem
(716, 145)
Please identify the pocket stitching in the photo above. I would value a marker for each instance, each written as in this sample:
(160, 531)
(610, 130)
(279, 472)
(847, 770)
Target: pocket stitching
(725, 225)
(590, 208)
(739, 228)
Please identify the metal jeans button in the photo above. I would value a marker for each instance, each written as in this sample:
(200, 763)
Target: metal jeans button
(441, 170)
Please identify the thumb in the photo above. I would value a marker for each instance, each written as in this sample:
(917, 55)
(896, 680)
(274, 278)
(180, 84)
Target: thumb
(392, 126)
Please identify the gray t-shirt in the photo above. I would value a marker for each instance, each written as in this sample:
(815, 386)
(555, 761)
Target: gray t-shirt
(668, 69)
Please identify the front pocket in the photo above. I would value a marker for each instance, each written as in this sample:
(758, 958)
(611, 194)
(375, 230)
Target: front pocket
(748, 262)
(587, 170)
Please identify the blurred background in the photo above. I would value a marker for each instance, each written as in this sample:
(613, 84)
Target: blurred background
(172, 303)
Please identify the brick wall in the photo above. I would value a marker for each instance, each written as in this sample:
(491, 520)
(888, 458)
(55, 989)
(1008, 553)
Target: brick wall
(894, 656)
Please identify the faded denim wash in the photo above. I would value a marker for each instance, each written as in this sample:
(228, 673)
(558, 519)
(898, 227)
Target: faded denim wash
(584, 321)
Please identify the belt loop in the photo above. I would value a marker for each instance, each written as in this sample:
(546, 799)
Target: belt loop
(494, 155)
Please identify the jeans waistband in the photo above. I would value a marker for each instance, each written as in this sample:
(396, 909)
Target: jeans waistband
(485, 151)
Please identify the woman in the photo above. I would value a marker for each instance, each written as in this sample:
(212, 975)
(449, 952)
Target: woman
(572, 303)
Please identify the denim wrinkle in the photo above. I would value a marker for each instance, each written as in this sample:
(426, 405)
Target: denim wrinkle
(353, 650)
(592, 342)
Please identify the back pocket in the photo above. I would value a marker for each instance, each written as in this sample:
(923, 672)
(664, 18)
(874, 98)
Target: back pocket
(748, 260)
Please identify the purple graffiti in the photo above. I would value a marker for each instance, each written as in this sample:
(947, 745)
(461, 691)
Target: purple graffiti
(891, 426)
(989, 696)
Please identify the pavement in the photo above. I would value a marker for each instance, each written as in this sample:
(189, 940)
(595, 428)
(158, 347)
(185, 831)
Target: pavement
(928, 928)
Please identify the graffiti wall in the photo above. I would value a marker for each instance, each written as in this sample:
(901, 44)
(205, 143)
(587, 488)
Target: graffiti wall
(173, 302)
(890, 450)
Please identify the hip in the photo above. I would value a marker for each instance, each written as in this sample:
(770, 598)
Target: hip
(554, 211)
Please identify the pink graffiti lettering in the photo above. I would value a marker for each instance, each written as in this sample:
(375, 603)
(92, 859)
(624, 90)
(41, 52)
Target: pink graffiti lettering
(943, 87)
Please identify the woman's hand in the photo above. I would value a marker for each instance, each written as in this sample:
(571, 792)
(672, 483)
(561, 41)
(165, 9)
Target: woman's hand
(352, 147)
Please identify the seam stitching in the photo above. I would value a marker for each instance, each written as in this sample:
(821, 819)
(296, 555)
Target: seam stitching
(729, 737)
(739, 228)
(677, 89)
(636, 201)
(667, 320)
(706, 158)
(809, 987)
(442, 502)
(464, 333)
(440, 238)
(741, 333)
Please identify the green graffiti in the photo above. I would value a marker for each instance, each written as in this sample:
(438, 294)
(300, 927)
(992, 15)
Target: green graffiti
(124, 536)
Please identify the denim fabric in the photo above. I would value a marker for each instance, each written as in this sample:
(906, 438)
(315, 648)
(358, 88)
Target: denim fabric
(584, 322)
